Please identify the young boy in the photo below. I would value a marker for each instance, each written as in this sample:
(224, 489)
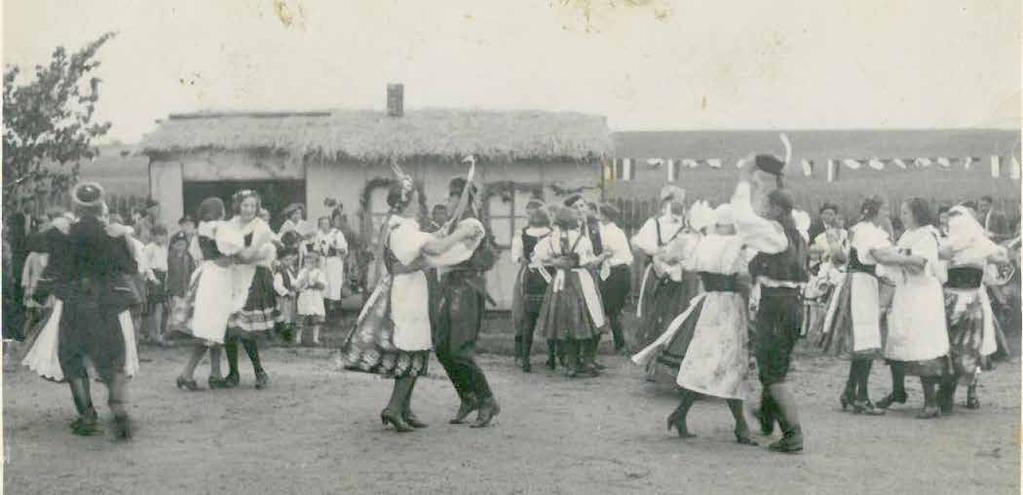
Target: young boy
(310, 285)
(284, 285)
(156, 263)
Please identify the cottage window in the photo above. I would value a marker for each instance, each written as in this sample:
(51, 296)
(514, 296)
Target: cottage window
(507, 215)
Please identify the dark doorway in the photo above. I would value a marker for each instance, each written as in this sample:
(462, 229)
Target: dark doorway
(276, 194)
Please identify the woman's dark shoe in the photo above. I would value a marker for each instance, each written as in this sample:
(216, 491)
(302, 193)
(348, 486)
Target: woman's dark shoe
(189, 385)
(488, 410)
(395, 420)
(866, 407)
(674, 417)
(262, 380)
(929, 412)
(846, 398)
(215, 382)
(527, 367)
(551, 364)
(972, 402)
(742, 437)
(464, 410)
(412, 420)
(892, 398)
(122, 427)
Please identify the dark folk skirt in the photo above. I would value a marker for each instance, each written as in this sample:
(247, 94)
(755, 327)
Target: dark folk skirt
(665, 299)
(615, 290)
(260, 311)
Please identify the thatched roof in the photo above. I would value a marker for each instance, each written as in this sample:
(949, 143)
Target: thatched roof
(374, 136)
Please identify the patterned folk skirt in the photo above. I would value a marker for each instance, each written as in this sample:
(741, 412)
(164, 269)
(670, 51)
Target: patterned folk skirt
(370, 346)
(259, 314)
(852, 326)
(965, 314)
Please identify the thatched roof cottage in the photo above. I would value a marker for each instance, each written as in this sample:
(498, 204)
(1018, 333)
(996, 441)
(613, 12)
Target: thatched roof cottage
(345, 155)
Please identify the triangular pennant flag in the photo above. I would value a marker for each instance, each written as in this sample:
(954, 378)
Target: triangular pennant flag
(1014, 171)
(671, 171)
(654, 162)
(853, 164)
(807, 167)
(899, 162)
(876, 164)
(967, 162)
(714, 163)
(996, 166)
(690, 163)
(923, 162)
(944, 162)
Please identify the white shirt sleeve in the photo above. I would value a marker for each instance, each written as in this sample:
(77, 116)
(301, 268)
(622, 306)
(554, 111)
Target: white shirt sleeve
(757, 232)
(615, 241)
(866, 238)
(544, 251)
(645, 239)
(279, 285)
(407, 241)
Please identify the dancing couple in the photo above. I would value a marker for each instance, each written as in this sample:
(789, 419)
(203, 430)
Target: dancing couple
(394, 332)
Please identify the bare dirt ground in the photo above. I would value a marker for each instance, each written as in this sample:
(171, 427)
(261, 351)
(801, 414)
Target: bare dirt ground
(316, 430)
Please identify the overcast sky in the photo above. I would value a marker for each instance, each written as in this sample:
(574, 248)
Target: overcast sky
(663, 65)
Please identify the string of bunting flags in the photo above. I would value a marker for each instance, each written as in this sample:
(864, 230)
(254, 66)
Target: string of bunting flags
(625, 169)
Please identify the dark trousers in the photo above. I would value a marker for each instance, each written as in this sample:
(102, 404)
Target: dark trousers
(778, 323)
(467, 377)
(457, 325)
(528, 329)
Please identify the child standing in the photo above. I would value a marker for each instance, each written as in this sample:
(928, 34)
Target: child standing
(180, 265)
(284, 284)
(331, 245)
(156, 257)
(310, 285)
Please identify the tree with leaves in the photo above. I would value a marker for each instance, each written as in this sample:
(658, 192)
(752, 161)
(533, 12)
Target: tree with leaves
(49, 124)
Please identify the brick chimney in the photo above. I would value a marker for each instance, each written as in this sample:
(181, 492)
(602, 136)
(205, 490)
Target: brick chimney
(395, 100)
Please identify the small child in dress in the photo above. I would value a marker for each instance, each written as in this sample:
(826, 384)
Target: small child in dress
(156, 256)
(284, 285)
(310, 284)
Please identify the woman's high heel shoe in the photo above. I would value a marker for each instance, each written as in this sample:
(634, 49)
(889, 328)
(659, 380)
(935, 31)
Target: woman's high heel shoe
(395, 420)
(231, 381)
(742, 437)
(866, 407)
(892, 398)
(262, 380)
(189, 385)
(929, 412)
(845, 399)
(412, 420)
(215, 382)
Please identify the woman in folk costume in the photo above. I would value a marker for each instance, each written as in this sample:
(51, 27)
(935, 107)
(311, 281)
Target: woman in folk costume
(589, 224)
(89, 270)
(852, 325)
(572, 312)
(331, 245)
(670, 346)
(664, 291)
(392, 336)
(716, 355)
(253, 297)
(530, 284)
(917, 341)
(206, 314)
(971, 325)
(294, 220)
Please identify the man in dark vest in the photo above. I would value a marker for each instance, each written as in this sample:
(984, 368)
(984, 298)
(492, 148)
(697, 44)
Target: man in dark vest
(459, 316)
(763, 217)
